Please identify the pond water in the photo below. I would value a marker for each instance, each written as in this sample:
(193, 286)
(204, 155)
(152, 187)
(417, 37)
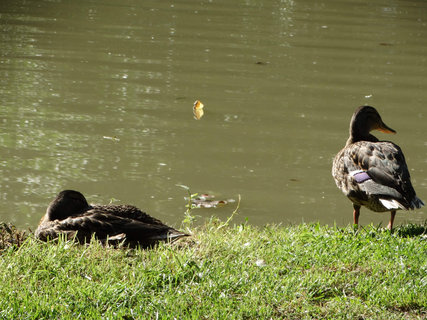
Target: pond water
(97, 96)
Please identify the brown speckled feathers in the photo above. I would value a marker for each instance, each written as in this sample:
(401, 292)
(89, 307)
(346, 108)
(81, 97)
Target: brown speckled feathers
(119, 223)
(385, 164)
(373, 173)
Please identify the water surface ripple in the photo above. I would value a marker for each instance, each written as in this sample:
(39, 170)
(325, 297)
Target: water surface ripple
(97, 96)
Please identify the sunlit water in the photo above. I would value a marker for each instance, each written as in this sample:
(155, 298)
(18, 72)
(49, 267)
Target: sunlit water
(97, 96)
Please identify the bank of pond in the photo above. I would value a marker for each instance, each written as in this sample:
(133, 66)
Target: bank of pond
(305, 271)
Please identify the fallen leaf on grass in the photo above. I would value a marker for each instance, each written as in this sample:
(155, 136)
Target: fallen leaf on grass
(260, 263)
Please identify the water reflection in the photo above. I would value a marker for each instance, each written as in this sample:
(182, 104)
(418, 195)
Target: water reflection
(279, 80)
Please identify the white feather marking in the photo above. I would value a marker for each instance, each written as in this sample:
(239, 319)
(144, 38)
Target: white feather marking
(391, 204)
(168, 236)
(118, 237)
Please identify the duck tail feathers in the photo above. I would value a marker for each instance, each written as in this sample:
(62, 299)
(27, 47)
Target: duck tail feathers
(417, 203)
(393, 204)
(171, 236)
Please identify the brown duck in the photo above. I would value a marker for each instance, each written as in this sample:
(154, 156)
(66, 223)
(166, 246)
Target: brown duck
(373, 173)
(70, 214)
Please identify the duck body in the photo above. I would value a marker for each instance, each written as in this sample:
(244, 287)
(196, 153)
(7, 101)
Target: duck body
(373, 173)
(368, 172)
(70, 214)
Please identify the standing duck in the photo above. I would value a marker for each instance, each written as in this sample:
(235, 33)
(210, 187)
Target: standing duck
(373, 173)
(71, 215)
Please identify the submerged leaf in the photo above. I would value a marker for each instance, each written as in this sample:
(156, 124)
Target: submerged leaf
(111, 138)
(207, 201)
(183, 186)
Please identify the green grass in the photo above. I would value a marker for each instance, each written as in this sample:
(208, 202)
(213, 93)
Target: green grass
(305, 271)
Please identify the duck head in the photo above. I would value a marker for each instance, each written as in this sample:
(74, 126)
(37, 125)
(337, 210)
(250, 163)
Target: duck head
(364, 120)
(66, 203)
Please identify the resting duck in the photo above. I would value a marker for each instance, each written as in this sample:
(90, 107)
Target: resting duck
(71, 215)
(373, 173)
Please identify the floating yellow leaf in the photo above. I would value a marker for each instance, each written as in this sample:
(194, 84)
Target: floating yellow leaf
(198, 110)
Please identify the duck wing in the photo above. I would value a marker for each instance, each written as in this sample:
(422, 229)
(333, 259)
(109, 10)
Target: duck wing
(385, 165)
(136, 229)
(126, 211)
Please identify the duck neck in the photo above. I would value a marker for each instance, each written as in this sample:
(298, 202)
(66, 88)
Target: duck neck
(356, 138)
(359, 131)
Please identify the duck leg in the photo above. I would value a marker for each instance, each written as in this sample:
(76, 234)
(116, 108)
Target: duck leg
(392, 215)
(356, 214)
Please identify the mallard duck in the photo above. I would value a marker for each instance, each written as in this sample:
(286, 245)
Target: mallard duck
(70, 214)
(373, 173)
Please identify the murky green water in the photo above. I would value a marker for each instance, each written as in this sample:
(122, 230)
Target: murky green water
(97, 96)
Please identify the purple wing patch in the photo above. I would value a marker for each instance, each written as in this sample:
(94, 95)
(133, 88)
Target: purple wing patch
(360, 176)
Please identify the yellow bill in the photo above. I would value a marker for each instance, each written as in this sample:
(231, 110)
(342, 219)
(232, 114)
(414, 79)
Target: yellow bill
(384, 128)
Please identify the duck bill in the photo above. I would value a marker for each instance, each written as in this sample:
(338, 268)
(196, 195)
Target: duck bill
(386, 129)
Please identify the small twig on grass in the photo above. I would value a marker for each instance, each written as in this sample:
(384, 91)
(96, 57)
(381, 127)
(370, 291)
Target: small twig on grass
(235, 212)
